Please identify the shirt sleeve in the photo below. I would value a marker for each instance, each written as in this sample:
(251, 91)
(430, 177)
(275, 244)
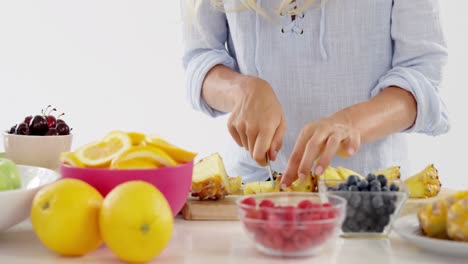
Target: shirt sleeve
(205, 36)
(419, 57)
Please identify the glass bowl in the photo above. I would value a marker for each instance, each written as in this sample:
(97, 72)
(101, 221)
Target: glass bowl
(368, 213)
(291, 224)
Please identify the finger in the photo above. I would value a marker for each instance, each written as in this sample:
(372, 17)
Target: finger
(233, 131)
(252, 133)
(243, 136)
(277, 141)
(263, 144)
(331, 147)
(296, 156)
(313, 149)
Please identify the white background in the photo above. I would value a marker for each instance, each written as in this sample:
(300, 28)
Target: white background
(116, 65)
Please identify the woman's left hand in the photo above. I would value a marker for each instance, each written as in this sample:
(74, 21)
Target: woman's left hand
(318, 142)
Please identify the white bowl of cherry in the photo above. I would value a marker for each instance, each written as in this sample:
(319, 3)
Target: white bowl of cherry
(38, 140)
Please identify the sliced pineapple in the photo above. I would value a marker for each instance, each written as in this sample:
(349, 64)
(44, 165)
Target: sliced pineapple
(433, 217)
(391, 173)
(425, 184)
(457, 220)
(235, 184)
(210, 180)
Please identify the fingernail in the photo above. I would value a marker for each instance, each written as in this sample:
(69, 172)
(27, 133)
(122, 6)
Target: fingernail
(351, 151)
(318, 170)
(302, 176)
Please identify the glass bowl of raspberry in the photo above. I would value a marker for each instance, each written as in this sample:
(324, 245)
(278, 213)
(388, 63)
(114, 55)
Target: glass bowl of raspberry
(291, 224)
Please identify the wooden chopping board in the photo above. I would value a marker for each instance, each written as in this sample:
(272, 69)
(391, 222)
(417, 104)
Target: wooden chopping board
(226, 209)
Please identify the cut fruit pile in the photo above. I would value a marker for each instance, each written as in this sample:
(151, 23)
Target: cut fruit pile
(446, 218)
(289, 229)
(128, 150)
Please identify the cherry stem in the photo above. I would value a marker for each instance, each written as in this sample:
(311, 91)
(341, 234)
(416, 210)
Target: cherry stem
(45, 111)
(62, 114)
(52, 110)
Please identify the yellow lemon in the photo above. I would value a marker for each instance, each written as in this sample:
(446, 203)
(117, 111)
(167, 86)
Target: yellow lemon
(137, 138)
(65, 217)
(178, 154)
(136, 221)
(71, 159)
(148, 153)
(101, 153)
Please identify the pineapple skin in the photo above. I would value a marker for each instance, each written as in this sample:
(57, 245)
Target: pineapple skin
(457, 221)
(424, 184)
(433, 217)
(211, 189)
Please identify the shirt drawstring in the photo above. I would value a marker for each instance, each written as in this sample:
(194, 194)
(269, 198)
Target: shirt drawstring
(323, 51)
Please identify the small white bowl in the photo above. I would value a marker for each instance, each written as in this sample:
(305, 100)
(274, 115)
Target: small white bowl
(40, 151)
(15, 205)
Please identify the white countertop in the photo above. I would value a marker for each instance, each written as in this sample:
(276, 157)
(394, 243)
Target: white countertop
(221, 242)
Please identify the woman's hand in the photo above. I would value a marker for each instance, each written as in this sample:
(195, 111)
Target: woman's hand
(257, 121)
(319, 142)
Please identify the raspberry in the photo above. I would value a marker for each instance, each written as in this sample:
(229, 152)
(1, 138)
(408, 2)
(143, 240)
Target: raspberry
(305, 204)
(266, 204)
(249, 201)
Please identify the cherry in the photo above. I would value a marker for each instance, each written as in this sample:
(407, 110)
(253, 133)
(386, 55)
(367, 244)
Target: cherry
(62, 129)
(38, 126)
(27, 119)
(12, 130)
(52, 132)
(51, 121)
(22, 129)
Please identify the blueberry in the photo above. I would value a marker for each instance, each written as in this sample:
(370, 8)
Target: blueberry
(353, 188)
(390, 208)
(384, 220)
(350, 212)
(332, 189)
(352, 225)
(368, 224)
(355, 200)
(360, 216)
(377, 201)
(375, 183)
(384, 189)
(375, 189)
(382, 179)
(342, 187)
(366, 205)
(352, 180)
(363, 185)
(394, 187)
(370, 177)
(381, 211)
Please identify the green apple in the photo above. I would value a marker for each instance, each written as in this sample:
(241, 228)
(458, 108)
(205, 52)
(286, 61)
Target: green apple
(9, 175)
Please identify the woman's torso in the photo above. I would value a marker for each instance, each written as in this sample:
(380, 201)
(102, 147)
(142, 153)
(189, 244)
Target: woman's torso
(318, 63)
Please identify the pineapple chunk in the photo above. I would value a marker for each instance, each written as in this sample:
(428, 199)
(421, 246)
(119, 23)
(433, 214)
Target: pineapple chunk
(457, 219)
(345, 173)
(210, 180)
(260, 187)
(391, 173)
(306, 185)
(433, 217)
(425, 184)
(235, 184)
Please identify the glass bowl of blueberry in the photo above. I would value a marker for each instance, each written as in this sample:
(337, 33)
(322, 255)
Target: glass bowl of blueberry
(373, 203)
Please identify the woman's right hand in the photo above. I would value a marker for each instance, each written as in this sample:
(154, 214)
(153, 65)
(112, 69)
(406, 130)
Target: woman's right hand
(257, 121)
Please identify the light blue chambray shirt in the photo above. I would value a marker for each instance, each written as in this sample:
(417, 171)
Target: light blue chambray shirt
(337, 53)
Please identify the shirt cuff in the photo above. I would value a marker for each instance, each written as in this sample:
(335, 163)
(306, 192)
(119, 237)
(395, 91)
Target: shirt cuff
(197, 69)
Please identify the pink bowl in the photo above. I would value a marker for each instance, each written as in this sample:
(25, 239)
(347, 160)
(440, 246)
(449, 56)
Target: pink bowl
(173, 182)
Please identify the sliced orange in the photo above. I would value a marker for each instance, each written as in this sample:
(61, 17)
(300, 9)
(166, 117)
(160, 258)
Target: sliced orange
(69, 158)
(134, 164)
(178, 154)
(101, 153)
(147, 153)
(137, 138)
